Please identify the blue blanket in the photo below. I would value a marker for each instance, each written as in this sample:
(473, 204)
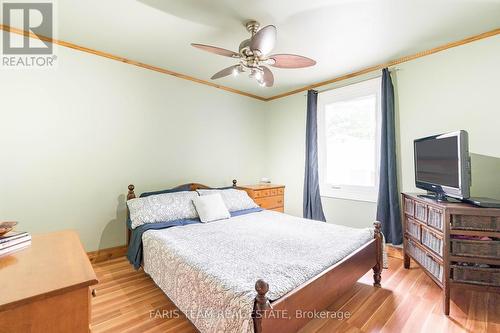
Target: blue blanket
(134, 252)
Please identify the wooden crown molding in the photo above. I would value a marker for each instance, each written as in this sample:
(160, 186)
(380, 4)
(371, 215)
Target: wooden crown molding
(391, 63)
(128, 61)
(363, 71)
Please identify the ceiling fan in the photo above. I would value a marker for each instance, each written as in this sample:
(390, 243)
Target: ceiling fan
(254, 54)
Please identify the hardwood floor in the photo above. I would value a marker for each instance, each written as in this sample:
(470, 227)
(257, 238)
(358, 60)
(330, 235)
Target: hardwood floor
(409, 301)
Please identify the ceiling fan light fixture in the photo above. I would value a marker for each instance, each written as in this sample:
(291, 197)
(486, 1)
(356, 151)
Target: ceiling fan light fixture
(253, 54)
(270, 61)
(258, 75)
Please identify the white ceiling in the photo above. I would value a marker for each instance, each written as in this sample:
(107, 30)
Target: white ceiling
(341, 35)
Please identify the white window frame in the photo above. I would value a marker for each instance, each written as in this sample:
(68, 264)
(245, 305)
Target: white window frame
(356, 90)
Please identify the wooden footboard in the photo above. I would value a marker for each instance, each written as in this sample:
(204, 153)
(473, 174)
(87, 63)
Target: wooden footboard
(284, 314)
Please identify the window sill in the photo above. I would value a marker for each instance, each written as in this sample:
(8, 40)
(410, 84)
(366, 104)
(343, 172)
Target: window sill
(364, 197)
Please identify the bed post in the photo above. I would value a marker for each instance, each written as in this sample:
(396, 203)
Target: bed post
(377, 269)
(261, 304)
(130, 195)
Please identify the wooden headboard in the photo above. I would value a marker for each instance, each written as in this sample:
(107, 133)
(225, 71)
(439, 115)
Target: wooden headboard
(192, 187)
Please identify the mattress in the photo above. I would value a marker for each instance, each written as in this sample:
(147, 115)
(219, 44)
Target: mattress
(209, 270)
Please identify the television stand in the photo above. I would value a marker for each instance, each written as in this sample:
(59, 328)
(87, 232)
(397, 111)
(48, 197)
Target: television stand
(443, 238)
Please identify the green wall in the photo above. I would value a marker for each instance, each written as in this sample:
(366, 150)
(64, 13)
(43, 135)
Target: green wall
(454, 89)
(73, 138)
(286, 120)
(450, 90)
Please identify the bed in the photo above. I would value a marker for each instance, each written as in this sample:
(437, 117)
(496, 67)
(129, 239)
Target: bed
(258, 271)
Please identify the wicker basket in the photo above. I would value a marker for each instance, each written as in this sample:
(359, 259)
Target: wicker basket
(435, 218)
(432, 241)
(409, 207)
(413, 228)
(421, 211)
(477, 275)
(483, 223)
(475, 248)
(426, 260)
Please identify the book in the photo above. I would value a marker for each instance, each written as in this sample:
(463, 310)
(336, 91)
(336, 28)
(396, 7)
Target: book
(14, 241)
(12, 235)
(14, 248)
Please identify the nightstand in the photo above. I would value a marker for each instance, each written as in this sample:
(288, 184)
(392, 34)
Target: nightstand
(46, 287)
(267, 196)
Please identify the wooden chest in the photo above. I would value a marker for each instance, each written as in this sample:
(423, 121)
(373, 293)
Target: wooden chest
(267, 196)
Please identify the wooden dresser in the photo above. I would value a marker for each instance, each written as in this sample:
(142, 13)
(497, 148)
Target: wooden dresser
(267, 196)
(456, 244)
(46, 286)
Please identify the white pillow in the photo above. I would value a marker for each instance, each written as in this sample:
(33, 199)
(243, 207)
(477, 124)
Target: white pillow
(211, 208)
(233, 198)
(162, 208)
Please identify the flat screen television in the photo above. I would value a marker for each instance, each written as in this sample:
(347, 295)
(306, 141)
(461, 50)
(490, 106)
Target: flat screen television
(442, 165)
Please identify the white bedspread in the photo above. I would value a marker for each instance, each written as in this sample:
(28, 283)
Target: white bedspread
(209, 270)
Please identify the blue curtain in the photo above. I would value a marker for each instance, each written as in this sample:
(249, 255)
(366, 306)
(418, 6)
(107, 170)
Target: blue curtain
(388, 213)
(312, 200)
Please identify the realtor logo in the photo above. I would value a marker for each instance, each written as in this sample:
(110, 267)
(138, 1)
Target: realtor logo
(34, 23)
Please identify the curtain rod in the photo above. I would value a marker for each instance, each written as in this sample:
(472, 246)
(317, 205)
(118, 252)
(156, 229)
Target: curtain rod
(395, 69)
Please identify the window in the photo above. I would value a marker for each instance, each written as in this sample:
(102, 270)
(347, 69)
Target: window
(349, 141)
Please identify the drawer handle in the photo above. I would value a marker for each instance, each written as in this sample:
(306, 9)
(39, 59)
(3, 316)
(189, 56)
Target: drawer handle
(94, 293)
(430, 257)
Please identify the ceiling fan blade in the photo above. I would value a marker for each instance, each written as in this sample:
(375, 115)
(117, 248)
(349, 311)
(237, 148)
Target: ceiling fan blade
(268, 77)
(224, 72)
(291, 61)
(264, 40)
(216, 50)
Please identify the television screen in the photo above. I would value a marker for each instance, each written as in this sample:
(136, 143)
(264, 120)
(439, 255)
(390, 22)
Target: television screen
(437, 161)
